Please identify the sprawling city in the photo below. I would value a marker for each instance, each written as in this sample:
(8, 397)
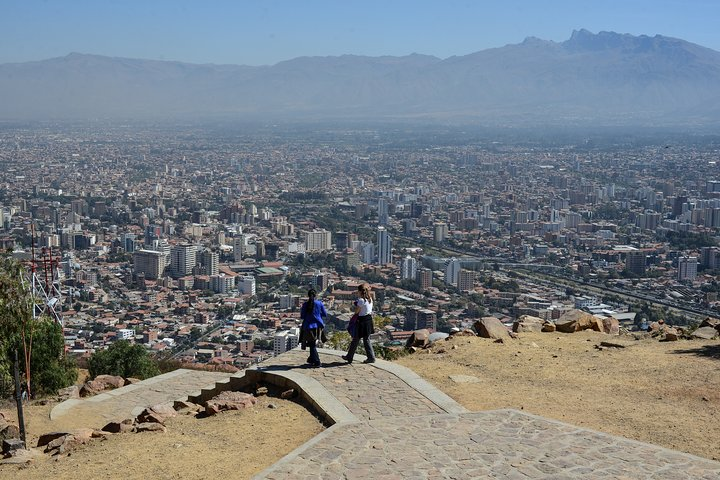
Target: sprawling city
(201, 244)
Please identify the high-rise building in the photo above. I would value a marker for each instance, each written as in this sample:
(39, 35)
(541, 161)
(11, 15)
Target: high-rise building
(687, 268)
(211, 261)
(222, 283)
(440, 232)
(149, 263)
(424, 278)
(408, 268)
(452, 271)
(341, 240)
(367, 252)
(417, 318)
(466, 280)
(182, 259)
(383, 217)
(318, 240)
(240, 247)
(635, 262)
(384, 243)
(285, 340)
(128, 242)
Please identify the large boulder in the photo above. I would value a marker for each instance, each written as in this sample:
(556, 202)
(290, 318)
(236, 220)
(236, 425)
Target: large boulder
(491, 327)
(418, 339)
(110, 381)
(91, 388)
(229, 401)
(710, 322)
(8, 431)
(528, 323)
(119, 427)
(548, 327)
(72, 391)
(611, 326)
(706, 333)
(49, 437)
(671, 334)
(577, 320)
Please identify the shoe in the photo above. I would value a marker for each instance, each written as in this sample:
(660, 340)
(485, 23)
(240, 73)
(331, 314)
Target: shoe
(367, 360)
(347, 359)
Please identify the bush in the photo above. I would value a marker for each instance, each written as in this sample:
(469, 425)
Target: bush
(124, 360)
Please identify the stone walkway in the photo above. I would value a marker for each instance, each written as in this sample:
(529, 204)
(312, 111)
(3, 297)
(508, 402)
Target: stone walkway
(390, 424)
(129, 401)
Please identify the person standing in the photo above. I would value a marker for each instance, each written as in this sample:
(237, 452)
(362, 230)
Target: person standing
(312, 314)
(365, 328)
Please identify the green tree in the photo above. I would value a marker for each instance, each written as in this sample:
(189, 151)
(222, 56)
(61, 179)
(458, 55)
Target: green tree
(124, 360)
(38, 341)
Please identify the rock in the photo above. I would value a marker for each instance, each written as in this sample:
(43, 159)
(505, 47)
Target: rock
(654, 327)
(21, 456)
(671, 334)
(464, 379)
(101, 434)
(110, 381)
(706, 333)
(528, 323)
(548, 327)
(710, 322)
(231, 401)
(9, 445)
(491, 327)
(68, 442)
(4, 416)
(577, 320)
(148, 416)
(611, 326)
(288, 394)
(49, 437)
(261, 391)
(186, 407)
(132, 381)
(150, 427)
(271, 405)
(91, 388)
(164, 409)
(68, 393)
(419, 338)
(119, 427)
(8, 431)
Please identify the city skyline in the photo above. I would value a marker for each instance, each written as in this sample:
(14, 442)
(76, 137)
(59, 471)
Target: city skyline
(265, 33)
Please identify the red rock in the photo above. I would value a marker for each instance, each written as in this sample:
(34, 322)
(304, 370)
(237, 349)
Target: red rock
(528, 323)
(148, 416)
(8, 431)
(491, 327)
(132, 381)
(671, 334)
(706, 333)
(69, 392)
(110, 381)
(419, 338)
(91, 388)
(119, 427)
(710, 322)
(611, 326)
(164, 409)
(548, 327)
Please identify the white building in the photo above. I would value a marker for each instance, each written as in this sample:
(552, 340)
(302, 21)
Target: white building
(318, 240)
(222, 283)
(285, 340)
(687, 268)
(246, 285)
(452, 271)
(183, 259)
(125, 334)
(408, 270)
(149, 262)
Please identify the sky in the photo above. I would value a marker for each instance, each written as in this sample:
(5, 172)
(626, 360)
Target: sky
(264, 32)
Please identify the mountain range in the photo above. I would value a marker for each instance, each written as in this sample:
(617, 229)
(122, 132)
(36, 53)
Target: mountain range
(603, 78)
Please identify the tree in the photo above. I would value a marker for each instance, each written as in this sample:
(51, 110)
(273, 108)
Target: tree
(39, 341)
(124, 360)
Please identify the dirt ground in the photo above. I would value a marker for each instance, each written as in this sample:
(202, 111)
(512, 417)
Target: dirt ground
(232, 445)
(665, 393)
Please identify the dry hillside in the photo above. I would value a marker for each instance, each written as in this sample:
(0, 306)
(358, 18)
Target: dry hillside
(666, 393)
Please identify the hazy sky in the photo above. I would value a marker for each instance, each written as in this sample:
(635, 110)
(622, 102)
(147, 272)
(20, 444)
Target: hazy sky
(257, 32)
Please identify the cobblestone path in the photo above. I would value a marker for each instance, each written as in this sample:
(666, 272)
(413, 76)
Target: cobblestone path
(404, 430)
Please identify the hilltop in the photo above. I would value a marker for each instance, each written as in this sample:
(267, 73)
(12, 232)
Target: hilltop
(604, 78)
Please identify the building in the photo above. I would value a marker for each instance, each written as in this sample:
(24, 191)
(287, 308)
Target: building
(317, 241)
(452, 271)
(246, 285)
(342, 240)
(383, 217)
(687, 268)
(424, 278)
(150, 263)
(125, 334)
(285, 340)
(182, 260)
(211, 261)
(635, 262)
(417, 318)
(466, 280)
(240, 244)
(384, 246)
(408, 268)
(440, 232)
(222, 283)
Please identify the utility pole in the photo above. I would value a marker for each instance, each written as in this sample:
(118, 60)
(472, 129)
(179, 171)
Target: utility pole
(19, 399)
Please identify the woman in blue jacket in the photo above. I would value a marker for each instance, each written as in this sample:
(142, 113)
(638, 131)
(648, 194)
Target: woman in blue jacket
(312, 314)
